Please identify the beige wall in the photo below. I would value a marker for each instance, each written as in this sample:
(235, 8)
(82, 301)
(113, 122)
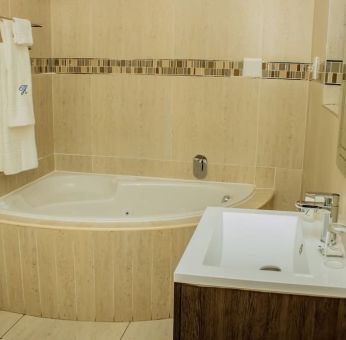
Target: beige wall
(320, 170)
(220, 29)
(39, 12)
(250, 130)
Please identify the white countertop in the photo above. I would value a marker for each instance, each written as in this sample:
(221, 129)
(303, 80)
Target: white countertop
(207, 262)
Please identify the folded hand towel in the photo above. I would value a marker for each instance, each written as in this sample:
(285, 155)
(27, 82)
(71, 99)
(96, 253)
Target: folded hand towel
(22, 32)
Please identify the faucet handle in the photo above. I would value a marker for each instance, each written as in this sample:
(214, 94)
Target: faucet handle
(337, 228)
(326, 198)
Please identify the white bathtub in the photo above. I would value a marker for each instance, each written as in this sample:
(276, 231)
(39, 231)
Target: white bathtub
(105, 247)
(64, 196)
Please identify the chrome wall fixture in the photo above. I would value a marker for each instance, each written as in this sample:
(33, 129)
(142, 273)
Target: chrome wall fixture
(200, 166)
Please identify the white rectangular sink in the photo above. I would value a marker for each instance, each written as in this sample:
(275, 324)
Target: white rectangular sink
(258, 242)
(259, 250)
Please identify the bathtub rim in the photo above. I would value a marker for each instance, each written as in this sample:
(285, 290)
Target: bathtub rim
(257, 200)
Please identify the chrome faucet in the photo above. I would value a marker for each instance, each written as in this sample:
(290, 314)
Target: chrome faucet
(336, 229)
(326, 201)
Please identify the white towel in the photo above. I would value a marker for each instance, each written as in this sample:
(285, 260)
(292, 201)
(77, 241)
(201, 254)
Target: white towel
(22, 32)
(20, 104)
(17, 144)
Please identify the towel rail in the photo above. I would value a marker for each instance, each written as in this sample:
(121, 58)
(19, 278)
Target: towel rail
(33, 25)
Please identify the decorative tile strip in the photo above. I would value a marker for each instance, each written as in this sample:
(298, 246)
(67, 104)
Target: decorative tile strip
(279, 70)
(168, 67)
(332, 72)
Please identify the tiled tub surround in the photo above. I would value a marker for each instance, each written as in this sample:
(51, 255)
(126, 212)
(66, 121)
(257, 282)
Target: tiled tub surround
(84, 271)
(92, 274)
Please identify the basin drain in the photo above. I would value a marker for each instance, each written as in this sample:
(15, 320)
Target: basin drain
(271, 268)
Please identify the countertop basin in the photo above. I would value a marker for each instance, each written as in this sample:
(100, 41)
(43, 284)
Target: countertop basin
(259, 250)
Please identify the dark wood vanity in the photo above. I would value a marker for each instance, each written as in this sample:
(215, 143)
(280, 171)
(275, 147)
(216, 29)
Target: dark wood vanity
(209, 313)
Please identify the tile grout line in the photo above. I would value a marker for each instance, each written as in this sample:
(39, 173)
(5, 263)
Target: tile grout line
(3, 336)
(128, 325)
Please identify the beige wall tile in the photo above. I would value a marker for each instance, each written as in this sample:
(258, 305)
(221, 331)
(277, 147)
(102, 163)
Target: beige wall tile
(287, 188)
(320, 170)
(320, 29)
(142, 273)
(237, 174)
(73, 163)
(66, 279)
(9, 183)
(218, 29)
(283, 107)
(31, 288)
(104, 276)
(112, 165)
(71, 23)
(171, 169)
(38, 12)
(215, 117)
(265, 177)
(5, 7)
(336, 30)
(287, 30)
(106, 29)
(46, 253)
(85, 275)
(72, 114)
(131, 116)
(14, 277)
(4, 303)
(123, 252)
(147, 28)
(43, 104)
(162, 274)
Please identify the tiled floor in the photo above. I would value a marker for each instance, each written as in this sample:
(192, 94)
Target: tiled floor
(22, 327)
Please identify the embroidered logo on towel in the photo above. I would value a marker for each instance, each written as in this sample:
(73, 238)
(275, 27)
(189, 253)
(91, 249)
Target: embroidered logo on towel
(23, 89)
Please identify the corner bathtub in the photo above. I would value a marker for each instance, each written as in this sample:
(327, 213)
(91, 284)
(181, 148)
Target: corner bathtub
(101, 247)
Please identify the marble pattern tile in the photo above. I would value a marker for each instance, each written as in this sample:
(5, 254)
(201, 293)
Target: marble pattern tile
(72, 114)
(66, 29)
(200, 24)
(216, 118)
(282, 121)
(287, 30)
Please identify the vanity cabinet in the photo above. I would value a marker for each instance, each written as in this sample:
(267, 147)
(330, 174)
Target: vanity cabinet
(208, 313)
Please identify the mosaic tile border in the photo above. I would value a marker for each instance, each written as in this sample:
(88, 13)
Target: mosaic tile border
(330, 72)
(168, 67)
(294, 71)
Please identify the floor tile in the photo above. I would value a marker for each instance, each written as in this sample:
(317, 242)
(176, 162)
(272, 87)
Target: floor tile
(150, 330)
(7, 320)
(31, 328)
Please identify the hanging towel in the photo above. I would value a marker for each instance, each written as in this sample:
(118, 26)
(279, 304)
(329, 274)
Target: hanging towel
(20, 104)
(17, 144)
(22, 32)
